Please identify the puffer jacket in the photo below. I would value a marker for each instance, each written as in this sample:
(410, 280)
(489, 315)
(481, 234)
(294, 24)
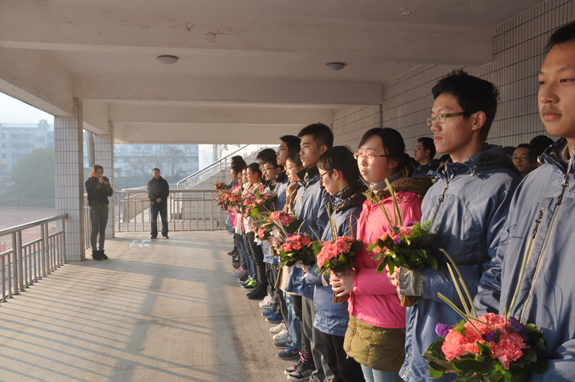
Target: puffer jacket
(98, 193)
(311, 207)
(330, 317)
(543, 206)
(374, 300)
(467, 206)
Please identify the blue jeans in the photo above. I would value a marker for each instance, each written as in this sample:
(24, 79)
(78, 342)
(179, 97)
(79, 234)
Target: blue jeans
(163, 209)
(372, 375)
(99, 221)
(292, 323)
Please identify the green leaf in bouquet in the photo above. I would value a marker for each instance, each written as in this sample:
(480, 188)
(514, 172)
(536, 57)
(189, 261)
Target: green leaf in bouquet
(432, 262)
(433, 373)
(529, 355)
(540, 344)
(381, 267)
(537, 367)
(356, 246)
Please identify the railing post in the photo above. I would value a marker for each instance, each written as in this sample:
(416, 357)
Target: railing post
(64, 260)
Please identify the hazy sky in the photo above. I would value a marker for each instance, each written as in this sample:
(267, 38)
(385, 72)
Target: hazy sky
(12, 110)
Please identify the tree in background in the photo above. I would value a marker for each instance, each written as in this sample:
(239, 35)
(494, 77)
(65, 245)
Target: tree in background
(33, 181)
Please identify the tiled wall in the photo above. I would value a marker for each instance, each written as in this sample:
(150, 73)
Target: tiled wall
(350, 122)
(68, 176)
(518, 53)
(104, 156)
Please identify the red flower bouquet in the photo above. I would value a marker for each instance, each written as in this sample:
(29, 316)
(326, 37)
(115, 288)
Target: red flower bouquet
(402, 246)
(221, 186)
(487, 348)
(337, 256)
(300, 249)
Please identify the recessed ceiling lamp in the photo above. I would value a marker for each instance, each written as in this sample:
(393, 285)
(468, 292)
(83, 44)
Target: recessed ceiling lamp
(335, 66)
(167, 60)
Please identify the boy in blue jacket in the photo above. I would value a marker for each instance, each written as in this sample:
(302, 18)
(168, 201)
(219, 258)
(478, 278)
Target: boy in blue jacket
(542, 208)
(339, 175)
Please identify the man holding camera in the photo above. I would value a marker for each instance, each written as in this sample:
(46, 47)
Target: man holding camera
(158, 191)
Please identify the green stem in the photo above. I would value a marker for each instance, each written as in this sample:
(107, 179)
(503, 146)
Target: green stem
(462, 282)
(461, 298)
(454, 307)
(525, 259)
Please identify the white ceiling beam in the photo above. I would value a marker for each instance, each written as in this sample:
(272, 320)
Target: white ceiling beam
(201, 133)
(34, 78)
(43, 25)
(225, 90)
(96, 118)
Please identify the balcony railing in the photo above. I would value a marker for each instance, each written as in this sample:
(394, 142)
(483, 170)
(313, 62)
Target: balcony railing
(219, 165)
(25, 263)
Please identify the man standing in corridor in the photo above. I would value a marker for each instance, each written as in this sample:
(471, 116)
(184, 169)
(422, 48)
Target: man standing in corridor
(158, 191)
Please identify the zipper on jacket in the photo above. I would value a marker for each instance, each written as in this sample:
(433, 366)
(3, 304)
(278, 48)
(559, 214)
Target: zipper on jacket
(548, 234)
(442, 198)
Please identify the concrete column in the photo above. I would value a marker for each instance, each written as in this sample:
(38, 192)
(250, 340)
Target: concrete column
(69, 174)
(104, 156)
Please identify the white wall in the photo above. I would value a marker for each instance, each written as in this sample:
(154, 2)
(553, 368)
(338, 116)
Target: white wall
(518, 53)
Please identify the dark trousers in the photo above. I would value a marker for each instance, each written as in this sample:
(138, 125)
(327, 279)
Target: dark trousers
(316, 339)
(277, 294)
(259, 261)
(163, 209)
(305, 343)
(239, 244)
(250, 261)
(345, 369)
(99, 221)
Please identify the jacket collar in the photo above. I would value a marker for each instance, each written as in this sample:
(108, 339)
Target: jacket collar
(281, 177)
(489, 157)
(350, 196)
(381, 185)
(308, 174)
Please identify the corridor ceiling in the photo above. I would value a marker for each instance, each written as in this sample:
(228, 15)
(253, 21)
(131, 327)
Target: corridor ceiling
(243, 64)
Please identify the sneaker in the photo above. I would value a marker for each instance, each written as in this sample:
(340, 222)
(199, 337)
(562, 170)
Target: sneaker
(279, 328)
(233, 252)
(274, 319)
(283, 343)
(302, 372)
(267, 313)
(166, 237)
(243, 279)
(266, 298)
(266, 305)
(281, 335)
(239, 272)
(250, 284)
(257, 293)
(293, 368)
(288, 354)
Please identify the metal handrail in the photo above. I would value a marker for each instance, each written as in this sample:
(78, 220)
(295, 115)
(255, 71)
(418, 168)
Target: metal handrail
(26, 263)
(217, 166)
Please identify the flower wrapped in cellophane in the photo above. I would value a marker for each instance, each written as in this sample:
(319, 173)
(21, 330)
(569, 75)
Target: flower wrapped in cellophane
(487, 348)
(402, 245)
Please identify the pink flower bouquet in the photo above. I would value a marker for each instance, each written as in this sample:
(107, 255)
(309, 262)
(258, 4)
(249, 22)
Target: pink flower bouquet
(298, 248)
(221, 186)
(337, 256)
(487, 348)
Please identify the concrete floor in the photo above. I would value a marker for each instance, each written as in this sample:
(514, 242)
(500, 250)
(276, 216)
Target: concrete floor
(162, 310)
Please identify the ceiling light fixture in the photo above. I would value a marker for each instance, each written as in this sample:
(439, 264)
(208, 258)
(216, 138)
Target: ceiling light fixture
(167, 60)
(335, 66)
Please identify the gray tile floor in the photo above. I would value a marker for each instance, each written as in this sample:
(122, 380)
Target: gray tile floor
(162, 310)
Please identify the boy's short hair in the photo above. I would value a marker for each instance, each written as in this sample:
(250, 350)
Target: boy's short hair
(536, 147)
(294, 157)
(255, 167)
(321, 134)
(238, 168)
(340, 158)
(156, 169)
(473, 94)
(272, 160)
(428, 145)
(563, 34)
(238, 159)
(292, 142)
(509, 150)
(265, 154)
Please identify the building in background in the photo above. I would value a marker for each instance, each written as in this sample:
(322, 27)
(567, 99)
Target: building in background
(19, 139)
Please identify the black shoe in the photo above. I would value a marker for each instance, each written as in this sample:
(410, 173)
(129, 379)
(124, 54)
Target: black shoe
(236, 265)
(103, 255)
(166, 237)
(153, 237)
(233, 252)
(243, 279)
(258, 293)
(96, 255)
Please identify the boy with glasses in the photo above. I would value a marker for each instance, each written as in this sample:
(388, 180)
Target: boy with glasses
(542, 209)
(467, 207)
(521, 159)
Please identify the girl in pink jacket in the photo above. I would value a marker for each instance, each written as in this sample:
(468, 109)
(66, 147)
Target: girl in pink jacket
(376, 333)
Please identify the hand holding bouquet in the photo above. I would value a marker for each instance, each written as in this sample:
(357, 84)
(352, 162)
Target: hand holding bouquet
(337, 256)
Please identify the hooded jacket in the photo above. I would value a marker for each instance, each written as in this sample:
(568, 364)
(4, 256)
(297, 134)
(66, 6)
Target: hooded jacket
(374, 300)
(542, 207)
(311, 207)
(467, 206)
(330, 317)
(282, 184)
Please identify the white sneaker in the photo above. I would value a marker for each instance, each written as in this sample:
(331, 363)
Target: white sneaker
(281, 335)
(278, 328)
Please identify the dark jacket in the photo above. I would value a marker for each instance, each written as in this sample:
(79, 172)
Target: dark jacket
(98, 193)
(158, 189)
(330, 317)
(468, 206)
(424, 170)
(543, 206)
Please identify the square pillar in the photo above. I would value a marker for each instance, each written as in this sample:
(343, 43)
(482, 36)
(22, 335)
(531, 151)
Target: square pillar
(104, 156)
(68, 176)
